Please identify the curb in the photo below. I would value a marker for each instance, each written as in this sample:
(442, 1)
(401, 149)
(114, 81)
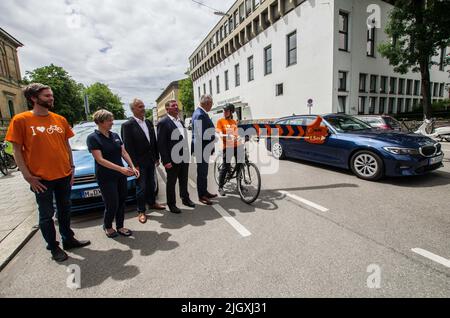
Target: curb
(17, 239)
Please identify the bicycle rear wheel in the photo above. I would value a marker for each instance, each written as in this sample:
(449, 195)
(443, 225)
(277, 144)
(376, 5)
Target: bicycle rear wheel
(249, 183)
(3, 166)
(10, 162)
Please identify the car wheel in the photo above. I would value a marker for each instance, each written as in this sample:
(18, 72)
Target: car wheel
(367, 165)
(278, 151)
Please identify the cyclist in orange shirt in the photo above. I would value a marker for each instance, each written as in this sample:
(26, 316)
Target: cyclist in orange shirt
(228, 129)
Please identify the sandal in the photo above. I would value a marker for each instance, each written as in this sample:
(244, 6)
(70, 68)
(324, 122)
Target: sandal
(142, 218)
(112, 234)
(126, 233)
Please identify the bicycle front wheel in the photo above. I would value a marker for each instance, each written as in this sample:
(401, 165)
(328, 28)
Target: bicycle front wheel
(249, 182)
(10, 162)
(3, 166)
(217, 167)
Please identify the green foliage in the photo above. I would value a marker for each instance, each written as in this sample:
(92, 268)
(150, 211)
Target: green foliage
(186, 96)
(149, 114)
(101, 97)
(67, 92)
(418, 29)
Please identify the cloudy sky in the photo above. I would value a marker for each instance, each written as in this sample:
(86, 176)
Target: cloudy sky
(136, 47)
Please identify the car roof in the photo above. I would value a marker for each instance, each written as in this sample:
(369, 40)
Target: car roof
(313, 115)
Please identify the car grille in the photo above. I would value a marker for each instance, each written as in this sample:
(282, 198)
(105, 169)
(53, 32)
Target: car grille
(430, 151)
(85, 179)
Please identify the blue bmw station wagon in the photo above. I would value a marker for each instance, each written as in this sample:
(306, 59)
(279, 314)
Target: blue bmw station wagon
(352, 144)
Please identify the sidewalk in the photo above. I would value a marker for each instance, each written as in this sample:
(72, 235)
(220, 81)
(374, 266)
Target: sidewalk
(18, 215)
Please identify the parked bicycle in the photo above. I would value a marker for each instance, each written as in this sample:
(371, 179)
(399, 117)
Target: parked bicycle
(246, 173)
(7, 161)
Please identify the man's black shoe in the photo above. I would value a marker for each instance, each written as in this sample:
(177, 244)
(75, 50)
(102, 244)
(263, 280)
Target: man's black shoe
(189, 203)
(211, 196)
(74, 243)
(59, 255)
(174, 209)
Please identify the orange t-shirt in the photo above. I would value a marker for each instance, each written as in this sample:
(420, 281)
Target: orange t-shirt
(44, 141)
(228, 127)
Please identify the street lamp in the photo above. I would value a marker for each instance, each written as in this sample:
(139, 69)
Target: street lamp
(222, 14)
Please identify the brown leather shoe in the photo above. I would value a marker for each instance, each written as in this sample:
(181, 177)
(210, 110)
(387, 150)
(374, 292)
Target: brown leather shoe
(158, 206)
(211, 196)
(142, 218)
(205, 201)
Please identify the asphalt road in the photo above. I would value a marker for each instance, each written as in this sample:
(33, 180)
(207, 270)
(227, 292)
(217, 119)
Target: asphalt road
(323, 235)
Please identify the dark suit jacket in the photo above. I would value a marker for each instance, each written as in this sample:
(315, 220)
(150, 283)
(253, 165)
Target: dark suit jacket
(200, 117)
(141, 151)
(166, 128)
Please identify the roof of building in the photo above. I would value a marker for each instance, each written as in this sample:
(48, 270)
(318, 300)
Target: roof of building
(173, 85)
(9, 37)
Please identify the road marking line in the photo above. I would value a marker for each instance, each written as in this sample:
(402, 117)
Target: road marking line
(232, 221)
(433, 257)
(304, 201)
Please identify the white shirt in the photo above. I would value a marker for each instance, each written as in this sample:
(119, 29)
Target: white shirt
(180, 127)
(144, 127)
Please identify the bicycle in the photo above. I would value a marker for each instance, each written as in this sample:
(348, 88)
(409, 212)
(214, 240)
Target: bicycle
(7, 161)
(246, 173)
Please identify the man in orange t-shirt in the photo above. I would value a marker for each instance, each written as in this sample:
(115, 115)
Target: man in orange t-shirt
(228, 129)
(41, 149)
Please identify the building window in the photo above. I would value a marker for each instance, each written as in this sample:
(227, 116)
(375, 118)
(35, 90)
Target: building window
(441, 90)
(409, 87)
(342, 81)
(382, 105)
(237, 75)
(241, 13)
(279, 90)
(408, 105)
(401, 86)
(218, 84)
(292, 48)
(343, 31)
(204, 89)
(342, 104)
(400, 105)
(416, 88)
(361, 105)
(251, 69)
(362, 82)
(236, 19)
(391, 105)
(371, 42)
(227, 84)
(268, 60)
(11, 108)
(210, 88)
(442, 60)
(372, 105)
(373, 83)
(230, 24)
(199, 93)
(392, 85)
(383, 85)
(436, 90)
(248, 7)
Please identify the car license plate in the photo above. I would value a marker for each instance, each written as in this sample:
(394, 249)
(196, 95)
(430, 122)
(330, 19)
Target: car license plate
(92, 193)
(436, 160)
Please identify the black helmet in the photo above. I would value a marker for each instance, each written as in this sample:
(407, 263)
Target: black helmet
(229, 107)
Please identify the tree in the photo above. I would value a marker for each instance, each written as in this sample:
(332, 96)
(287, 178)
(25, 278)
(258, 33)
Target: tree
(149, 114)
(101, 97)
(186, 95)
(418, 29)
(67, 92)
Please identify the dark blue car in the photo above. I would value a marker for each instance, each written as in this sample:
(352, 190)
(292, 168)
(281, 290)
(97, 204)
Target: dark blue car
(86, 193)
(352, 144)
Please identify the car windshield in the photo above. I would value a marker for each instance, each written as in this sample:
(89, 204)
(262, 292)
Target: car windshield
(78, 142)
(347, 123)
(392, 122)
(372, 121)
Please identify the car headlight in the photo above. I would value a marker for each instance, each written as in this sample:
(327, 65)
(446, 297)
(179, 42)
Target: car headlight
(401, 151)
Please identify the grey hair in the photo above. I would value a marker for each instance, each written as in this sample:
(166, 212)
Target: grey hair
(205, 99)
(101, 116)
(135, 102)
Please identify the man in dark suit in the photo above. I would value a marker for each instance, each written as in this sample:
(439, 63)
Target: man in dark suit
(174, 149)
(203, 138)
(138, 135)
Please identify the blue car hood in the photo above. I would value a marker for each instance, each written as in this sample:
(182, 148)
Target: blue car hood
(84, 163)
(394, 137)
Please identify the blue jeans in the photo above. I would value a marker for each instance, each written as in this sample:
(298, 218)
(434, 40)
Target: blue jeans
(145, 187)
(60, 190)
(114, 194)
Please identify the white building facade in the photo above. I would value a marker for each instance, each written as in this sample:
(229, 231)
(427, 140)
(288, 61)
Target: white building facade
(270, 57)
